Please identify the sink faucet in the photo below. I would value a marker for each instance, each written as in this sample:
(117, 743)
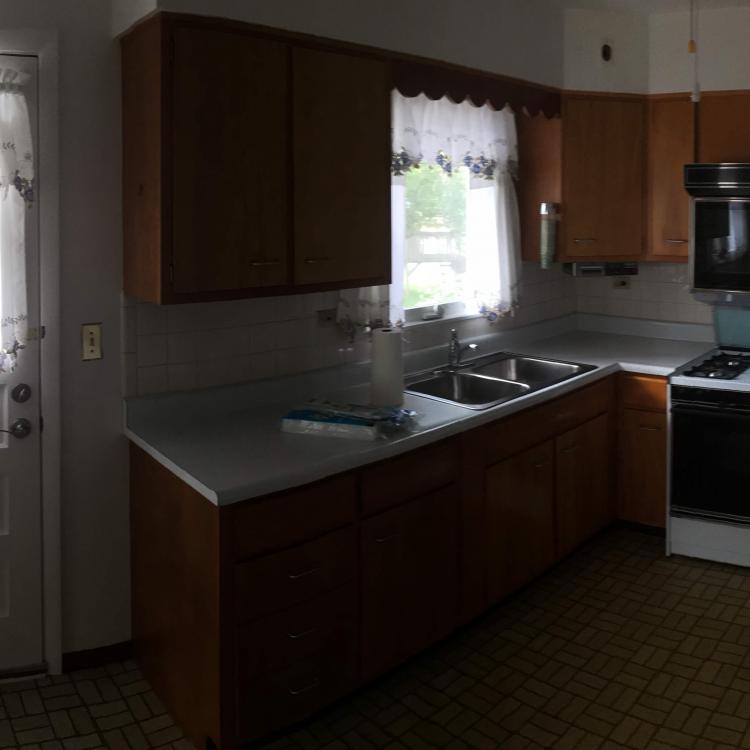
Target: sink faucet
(455, 350)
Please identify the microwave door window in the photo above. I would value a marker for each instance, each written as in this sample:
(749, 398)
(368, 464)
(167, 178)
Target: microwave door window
(722, 245)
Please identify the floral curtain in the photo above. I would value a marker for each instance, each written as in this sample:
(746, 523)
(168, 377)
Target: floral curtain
(16, 193)
(445, 135)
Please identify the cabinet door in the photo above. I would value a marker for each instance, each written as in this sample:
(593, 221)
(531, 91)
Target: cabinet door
(584, 144)
(671, 145)
(342, 213)
(603, 177)
(520, 523)
(584, 493)
(409, 579)
(229, 161)
(643, 467)
(723, 133)
(624, 178)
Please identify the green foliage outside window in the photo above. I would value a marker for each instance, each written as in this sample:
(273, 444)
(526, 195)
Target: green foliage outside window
(435, 199)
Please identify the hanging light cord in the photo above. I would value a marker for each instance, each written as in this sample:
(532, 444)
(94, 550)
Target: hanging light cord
(693, 50)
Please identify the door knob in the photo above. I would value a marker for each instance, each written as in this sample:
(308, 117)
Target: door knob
(21, 428)
(21, 393)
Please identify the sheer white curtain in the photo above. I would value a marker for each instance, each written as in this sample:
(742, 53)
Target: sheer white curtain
(16, 192)
(445, 135)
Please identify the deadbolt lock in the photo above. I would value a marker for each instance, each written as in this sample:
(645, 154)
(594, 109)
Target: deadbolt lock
(21, 393)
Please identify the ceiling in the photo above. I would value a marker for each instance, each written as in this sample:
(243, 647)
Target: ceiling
(652, 6)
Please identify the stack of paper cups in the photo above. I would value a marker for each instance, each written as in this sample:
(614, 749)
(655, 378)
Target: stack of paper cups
(387, 378)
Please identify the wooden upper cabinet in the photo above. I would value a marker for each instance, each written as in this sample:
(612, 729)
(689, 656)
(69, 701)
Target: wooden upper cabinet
(230, 161)
(342, 169)
(252, 165)
(539, 159)
(603, 177)
(671, 145)
(722, 127)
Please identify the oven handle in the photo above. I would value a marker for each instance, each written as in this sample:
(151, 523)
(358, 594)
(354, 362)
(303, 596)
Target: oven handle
(714, 411)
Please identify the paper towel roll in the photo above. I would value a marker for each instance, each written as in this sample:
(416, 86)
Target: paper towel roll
(387, 377)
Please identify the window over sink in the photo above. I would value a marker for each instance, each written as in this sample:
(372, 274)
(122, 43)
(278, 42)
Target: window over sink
(455, 217)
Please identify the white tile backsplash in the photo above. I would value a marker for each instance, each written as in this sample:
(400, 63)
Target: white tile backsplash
(182, 347)
(660, 291)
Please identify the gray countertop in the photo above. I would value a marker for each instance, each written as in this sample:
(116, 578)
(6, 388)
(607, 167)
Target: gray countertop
(227, 442)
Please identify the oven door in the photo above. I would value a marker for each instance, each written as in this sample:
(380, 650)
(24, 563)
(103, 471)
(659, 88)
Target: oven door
(721, 244)
(711, 463)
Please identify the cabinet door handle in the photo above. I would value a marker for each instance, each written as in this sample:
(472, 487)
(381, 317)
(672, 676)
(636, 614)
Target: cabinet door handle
(295, 576)
(676, 242)
(384, 539)
(541, 465)
(262, 263)
(647, 428)
(570, 448)
(297, 636)
(311, 261)
(299, 691)
(584, 240)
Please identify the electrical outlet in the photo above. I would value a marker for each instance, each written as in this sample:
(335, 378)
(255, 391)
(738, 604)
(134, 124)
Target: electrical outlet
(91, 341)
(327, 316)
(621, 282)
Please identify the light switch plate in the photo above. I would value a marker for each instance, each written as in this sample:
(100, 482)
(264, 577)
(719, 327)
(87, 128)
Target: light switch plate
(91, 341)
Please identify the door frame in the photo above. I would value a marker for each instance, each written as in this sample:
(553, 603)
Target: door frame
(43, 44)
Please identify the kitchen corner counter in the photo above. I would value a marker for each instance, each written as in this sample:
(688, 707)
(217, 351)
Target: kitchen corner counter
(227, 442)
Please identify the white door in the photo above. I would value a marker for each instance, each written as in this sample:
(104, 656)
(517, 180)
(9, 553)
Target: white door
(21, 635)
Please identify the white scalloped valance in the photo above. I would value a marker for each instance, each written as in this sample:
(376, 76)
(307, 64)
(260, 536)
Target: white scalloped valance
(449, 135)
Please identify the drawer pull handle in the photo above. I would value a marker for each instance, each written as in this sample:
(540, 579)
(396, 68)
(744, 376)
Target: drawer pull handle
(303, 574)
(310, 261)
(584, 240)
(646, 428)
(297, 636)
(541, 465)
(676, 242)
(384, 539)
(299, 691)
(570, 448)
(262, 263)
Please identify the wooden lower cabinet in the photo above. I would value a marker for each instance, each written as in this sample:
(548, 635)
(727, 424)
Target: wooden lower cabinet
(520, 524)
(250, 617)
(642, 435)
(409, 579)
(585, 493)
(643, 475)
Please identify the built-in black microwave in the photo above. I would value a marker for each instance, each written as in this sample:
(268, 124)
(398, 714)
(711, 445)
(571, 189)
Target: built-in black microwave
(719, 227)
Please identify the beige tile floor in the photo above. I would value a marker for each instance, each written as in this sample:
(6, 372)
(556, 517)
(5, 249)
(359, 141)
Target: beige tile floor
(617, 647)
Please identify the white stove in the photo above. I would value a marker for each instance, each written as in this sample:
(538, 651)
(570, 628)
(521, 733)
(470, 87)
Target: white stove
(709, 506)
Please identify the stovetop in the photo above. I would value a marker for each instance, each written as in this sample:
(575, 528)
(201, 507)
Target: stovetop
(727, 369)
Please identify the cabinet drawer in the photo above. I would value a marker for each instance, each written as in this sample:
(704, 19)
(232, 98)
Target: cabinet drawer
(281, 679)
(401, 479)
(288, 518)
(275, 643)
(272, 583)
(521, 431)
(643, 392)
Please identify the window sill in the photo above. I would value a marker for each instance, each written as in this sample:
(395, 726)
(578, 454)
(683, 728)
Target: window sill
(455, 317)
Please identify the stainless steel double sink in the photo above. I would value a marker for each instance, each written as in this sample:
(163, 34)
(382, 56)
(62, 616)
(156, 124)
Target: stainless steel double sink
(493, 379)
